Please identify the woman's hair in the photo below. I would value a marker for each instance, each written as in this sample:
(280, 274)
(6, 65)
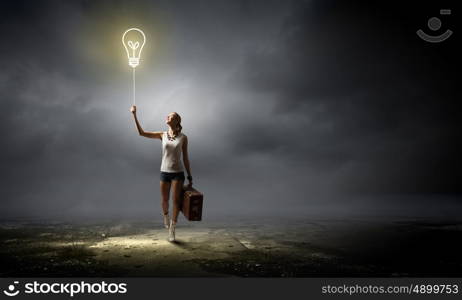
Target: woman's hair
(178, 117)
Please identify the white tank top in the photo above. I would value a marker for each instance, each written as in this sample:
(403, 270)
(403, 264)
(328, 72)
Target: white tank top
(171, 153)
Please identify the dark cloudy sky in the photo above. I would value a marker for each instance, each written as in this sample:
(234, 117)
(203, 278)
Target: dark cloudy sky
(304, 106)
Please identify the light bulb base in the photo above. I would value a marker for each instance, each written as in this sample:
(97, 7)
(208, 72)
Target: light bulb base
(133, 62)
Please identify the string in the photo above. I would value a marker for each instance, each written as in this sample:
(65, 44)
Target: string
(134, 86)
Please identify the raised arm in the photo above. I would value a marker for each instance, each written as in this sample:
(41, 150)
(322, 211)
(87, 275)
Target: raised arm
(148, 134)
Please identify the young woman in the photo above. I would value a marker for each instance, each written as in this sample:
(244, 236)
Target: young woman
(174, 142)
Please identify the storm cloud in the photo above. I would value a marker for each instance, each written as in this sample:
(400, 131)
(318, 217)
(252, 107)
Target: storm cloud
(288, 105)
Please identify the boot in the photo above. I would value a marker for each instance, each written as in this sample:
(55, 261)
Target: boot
(171, 231)
(166, 220)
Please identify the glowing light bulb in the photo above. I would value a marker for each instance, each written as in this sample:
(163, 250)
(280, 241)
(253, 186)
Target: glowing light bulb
(133, 40)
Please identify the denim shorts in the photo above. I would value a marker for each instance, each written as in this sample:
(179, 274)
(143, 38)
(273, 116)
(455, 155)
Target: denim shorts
(168, 176)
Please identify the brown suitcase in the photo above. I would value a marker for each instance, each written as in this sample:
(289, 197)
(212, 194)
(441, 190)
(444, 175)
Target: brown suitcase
(191, 203)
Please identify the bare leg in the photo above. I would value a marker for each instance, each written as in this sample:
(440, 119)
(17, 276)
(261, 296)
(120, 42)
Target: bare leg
(177, 186)
(165, 193)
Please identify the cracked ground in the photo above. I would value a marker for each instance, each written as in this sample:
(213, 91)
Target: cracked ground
(233, 247)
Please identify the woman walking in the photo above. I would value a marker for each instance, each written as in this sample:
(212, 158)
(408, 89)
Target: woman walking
(174, 142)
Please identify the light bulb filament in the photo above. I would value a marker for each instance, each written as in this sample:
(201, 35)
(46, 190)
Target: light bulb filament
(132, 45)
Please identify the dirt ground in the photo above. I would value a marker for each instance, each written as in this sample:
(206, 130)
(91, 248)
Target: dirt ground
(252, 247)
